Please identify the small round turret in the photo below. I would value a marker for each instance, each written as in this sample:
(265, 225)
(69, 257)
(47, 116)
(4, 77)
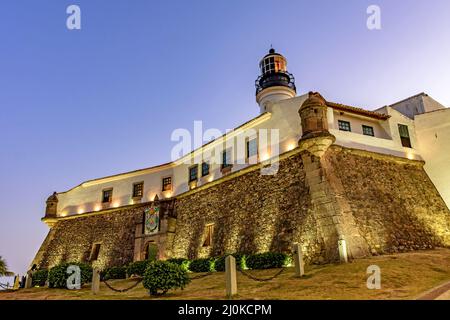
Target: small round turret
(315, 135)
(313, 115)
(275, 83)
(52, 205)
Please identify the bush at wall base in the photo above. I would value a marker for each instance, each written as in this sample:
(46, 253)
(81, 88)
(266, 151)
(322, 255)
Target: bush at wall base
(162, 276)
(39, 278)
(184, 263)
(202, 265)
(57, 276)
(118, 272)
(267, 260)
(137, 268)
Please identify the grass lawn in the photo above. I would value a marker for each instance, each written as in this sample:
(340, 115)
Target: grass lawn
(403, 276)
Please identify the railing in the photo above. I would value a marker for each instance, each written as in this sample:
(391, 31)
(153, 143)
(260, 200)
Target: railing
(279, 78)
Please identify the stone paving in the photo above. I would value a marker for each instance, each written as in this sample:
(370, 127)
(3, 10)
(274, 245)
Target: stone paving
(441, 292)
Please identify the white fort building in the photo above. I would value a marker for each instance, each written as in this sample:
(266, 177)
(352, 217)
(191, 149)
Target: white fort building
(396, 198)
(415, 128)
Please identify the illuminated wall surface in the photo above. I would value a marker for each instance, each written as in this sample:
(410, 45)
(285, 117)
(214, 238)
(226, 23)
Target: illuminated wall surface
(379, 203)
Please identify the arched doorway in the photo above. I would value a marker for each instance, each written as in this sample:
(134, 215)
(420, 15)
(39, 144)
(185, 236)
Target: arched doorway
(151, 251)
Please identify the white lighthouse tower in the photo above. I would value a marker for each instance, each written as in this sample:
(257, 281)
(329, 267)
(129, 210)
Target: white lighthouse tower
(274, 83)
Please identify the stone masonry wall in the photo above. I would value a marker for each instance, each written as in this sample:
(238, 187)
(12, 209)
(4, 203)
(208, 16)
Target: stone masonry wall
(377, 203)
(72, 239)
(251, 213)
(395, 204)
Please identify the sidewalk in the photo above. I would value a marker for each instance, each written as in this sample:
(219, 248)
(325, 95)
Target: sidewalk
(441, 292)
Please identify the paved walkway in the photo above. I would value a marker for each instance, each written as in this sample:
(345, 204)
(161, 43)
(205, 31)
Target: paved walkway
(441, 292)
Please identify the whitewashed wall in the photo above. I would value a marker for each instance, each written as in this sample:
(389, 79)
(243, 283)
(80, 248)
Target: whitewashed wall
(433, 134)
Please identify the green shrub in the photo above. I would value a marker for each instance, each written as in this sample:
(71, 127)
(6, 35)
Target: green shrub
(267, 260)
(137, 268)
(202, 265)
(114, 273)
(162, 276)
(240, 262)
(39, 278)
(57, 276)
(182, 262)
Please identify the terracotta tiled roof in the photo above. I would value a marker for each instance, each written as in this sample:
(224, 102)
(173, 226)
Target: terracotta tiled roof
(356, 110)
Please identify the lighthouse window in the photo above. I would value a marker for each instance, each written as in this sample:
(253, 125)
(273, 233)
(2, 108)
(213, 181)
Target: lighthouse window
(269, 65)
(344, 125)
(273, 64)
(252, 148)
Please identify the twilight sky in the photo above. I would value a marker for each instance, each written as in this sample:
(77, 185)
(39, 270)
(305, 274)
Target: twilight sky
(77, 105)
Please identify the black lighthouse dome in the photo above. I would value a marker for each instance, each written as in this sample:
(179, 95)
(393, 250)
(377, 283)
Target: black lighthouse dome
(274, 72)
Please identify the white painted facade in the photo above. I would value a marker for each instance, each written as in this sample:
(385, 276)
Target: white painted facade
(433, 132)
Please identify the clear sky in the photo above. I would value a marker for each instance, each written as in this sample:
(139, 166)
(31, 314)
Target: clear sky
(83, 104)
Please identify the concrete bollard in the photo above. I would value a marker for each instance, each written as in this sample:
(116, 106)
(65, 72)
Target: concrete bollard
(230, 276)
(95, 281)
(298, 260)
(16, 282)
(29, 281)
(343, 257)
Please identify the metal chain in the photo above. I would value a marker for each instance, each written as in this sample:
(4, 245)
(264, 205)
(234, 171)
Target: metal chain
(5, 286)
(248, 275)
(123, 290)
(201, 276)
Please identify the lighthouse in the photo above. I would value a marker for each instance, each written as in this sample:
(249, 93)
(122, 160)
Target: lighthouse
(275, 83)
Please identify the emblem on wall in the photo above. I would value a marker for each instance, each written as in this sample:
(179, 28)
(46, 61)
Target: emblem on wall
(151, 222)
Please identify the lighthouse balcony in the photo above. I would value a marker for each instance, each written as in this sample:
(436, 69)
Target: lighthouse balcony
(273, 79)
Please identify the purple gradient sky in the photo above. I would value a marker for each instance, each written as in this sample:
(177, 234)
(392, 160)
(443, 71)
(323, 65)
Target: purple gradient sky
(77, 105)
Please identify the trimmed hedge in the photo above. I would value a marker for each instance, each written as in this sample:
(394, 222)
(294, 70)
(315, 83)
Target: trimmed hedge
(240, 262)
(137, 268)
(39, 278)
(114, 273)
(267, 260)
(202, 265)
(182, 262)
(162, 276)
(57, 276)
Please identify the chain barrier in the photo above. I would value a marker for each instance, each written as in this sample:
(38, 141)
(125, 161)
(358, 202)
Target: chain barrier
(248, 275)
(140, 280)
(123, 290)
(5, 286)
(201, 276)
